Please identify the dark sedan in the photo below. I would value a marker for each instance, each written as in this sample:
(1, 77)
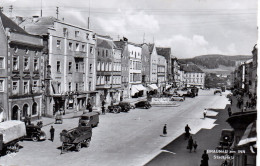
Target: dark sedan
(143, 104)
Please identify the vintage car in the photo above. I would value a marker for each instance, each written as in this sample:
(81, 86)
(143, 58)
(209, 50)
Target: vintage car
(218, 91)
(34, 133)
(113, 109)
(125, 106)
(143, 104)
(226, 139)
(177, 98)
(90, 119)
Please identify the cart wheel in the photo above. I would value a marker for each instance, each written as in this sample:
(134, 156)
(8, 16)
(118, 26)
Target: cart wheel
(78, 147)
(34, 138)
(87, 142)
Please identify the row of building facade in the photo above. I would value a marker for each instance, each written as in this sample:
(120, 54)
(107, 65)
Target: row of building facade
(47, 65)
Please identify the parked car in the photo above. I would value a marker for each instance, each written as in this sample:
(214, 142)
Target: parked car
(177, 98)
(90, 119)
(114, 109)
(125, 106)
(218, 91)
(34, 133)
(143, 104)
(226, 139)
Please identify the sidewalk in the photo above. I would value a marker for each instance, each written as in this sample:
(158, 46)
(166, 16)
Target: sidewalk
(71, 114)
(176, 154)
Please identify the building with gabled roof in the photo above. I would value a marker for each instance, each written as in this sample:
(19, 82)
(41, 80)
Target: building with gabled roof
(21, 76)
(167, 53)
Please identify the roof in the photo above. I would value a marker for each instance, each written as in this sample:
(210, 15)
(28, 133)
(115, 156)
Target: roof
(8, 23)
(104, 43)
(191, 68)
(164, 51)
(120, 44)
(39, 27)
(150, 46)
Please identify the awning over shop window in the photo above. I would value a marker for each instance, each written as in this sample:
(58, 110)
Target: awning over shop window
(249, 135)
(168, 86)
(140, 87)
(54, 85)
(152, 87)
(134, 90)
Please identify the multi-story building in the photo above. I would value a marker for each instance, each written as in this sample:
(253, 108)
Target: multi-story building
(153, 64)
(161, 73)
(124, 67)
(193, 75)
(70, 63)
(135, 70)
(145, 64)
(108, 74)
(21, 68)
(166, 52)
(176, 73)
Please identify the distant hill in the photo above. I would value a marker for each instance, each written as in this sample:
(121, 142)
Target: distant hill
(215, 61)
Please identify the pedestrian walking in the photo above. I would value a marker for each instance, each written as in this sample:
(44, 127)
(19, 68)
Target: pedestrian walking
(165, 130)
(52, 130)
(195, 145)
(190, 144)
(205, 159)
(229, 111)
(204, 113)
(187, 131)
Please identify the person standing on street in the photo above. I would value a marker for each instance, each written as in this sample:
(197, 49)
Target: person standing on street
(190, 143)
(229, 111)
(165, 130)
(52, 130)
(187, 131)
(195, 145)
(205, 159)
(103, 107)
(204, 113)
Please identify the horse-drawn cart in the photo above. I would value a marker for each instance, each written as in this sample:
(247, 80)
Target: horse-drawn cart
(75, 138)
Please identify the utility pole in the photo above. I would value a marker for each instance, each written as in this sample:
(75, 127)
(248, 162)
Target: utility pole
(57, 12)
(88, 14)
(11, 10)
(144, 38)
(41, 8)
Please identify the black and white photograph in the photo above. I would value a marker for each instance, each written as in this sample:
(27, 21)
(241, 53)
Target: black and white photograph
(128, 82)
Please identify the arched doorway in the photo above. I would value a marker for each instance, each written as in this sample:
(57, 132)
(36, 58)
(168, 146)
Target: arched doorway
(15, 111)
(34, 108)
(25, 110)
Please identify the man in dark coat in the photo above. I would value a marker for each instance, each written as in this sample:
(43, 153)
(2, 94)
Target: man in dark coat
(165, 130)
(190, 143)
(52, 130)
(187, 131)
(205, 159)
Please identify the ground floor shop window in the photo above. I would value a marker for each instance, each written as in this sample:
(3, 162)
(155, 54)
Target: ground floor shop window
(15, 111)
(34, 109)
(25, 110)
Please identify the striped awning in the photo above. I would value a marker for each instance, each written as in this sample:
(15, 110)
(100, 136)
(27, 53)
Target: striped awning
(249, 135)
(152, 86)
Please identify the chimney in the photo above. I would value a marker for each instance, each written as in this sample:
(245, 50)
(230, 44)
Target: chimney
(18, 20)
(35, 18)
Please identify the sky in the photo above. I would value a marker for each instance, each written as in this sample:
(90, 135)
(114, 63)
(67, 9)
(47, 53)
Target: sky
(189, 27)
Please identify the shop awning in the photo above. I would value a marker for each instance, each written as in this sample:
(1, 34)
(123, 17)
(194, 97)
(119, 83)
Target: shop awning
(140, 87)
(134, 90)
(249, 135)
(168, 86)
(152, 87)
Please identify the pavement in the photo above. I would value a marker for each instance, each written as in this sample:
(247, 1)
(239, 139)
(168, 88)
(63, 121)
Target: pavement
(176, 154)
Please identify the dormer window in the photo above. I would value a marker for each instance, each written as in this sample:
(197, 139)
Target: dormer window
(76, 33)
(26, 51)
(15, 49)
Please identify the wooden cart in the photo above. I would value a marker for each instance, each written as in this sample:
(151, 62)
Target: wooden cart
(75, 138)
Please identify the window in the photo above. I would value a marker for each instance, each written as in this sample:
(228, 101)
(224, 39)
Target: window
(35, 64)
(70, 66)
(58, 66)
(77, 46)
(36, 52)
(83, 48)
(35, 86)
(15, 49)
(77, 86)
(25, 87)
(1, 85)
(82, 67)
(91, 50)
(15, 63)
(98, 53)
(90, 68)
(15, 87)
(87, 36)
(103, 53)
(26, 51)
(77, 66)
(70, 46)
(98, 66)
(2, 63)
(59, 87)
(69, 86)
(76, 33)
(26, 63)
(34, 108)
(58, 44)
(65, 32)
